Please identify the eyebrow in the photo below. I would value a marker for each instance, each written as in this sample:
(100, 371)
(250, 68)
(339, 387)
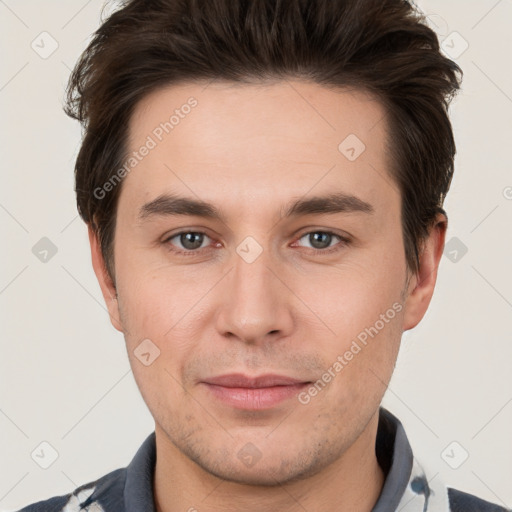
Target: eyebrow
(170, 204)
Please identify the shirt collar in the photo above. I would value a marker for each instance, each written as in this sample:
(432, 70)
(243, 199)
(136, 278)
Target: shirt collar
(138, 489)
(406, 488)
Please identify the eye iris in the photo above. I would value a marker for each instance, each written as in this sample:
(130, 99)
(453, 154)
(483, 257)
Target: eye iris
(191, 240)
(324, 239)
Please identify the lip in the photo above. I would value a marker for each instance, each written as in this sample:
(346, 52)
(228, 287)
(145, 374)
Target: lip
(239, 380)
(253, 393)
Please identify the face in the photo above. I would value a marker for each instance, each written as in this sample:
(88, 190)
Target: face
(263, 327)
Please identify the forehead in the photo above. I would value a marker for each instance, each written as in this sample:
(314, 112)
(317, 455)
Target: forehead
(262, 142)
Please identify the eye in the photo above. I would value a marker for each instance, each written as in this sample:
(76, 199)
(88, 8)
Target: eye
(190, 242)
(187, 241)
(321, 241)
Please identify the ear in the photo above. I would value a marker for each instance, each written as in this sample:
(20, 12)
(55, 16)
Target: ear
(421, 285)
(107, 286)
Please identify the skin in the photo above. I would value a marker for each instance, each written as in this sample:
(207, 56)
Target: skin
(250, 150)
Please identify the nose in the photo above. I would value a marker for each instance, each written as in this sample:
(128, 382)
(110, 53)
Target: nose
(256, 303)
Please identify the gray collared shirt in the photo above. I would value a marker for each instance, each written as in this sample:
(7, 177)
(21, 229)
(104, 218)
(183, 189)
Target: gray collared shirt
(406, 488)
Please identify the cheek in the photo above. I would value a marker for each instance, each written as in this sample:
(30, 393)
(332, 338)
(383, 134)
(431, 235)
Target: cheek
(350, 298)
(153, 298)
(168, 306)
(360, 357)
(361, 304)
(142, 305)
(156, 343)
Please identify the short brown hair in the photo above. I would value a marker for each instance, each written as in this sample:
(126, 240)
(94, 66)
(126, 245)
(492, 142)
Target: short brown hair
(380, 46)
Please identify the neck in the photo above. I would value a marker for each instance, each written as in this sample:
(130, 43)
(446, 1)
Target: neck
(352, 483)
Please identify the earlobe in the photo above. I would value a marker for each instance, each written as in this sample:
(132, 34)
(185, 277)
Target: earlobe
(422, 284)
(107, 286)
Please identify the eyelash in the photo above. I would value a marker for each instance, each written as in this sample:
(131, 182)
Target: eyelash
(193, 252)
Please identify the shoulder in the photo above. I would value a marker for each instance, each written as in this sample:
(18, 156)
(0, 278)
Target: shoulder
(113, 492)
(93, 496)
(463, 502)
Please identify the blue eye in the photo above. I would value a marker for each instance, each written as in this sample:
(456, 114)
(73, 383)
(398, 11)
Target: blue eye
(190, 242)
(321, 242)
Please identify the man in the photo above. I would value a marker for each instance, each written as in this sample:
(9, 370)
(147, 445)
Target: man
(263, 185)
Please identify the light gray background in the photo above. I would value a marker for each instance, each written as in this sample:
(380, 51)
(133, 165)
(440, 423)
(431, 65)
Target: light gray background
(65, 377)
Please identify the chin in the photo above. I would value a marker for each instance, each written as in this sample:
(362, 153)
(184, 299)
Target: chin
(275, 470)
